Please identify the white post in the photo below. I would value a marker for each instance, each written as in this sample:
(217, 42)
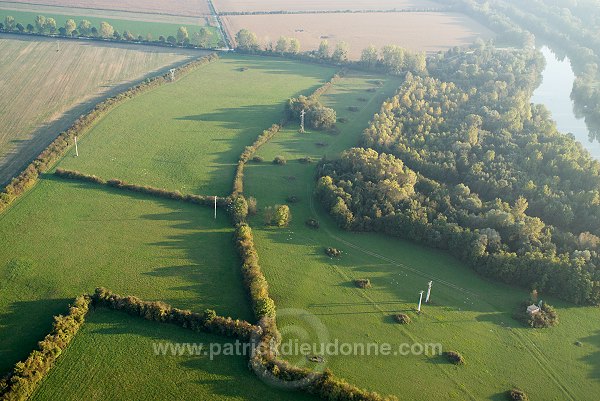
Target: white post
(215, 207)
(76, 148)
(420, 299)
(172, 71)
(428, 292)
(302, 120)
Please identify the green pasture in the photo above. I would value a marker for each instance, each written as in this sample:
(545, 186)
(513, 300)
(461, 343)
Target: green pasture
(188, 135)
(467, 314)
(65, 238)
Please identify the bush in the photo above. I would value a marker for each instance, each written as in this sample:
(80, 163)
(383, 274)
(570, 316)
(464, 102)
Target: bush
(312, 223)
(402, 318)
(363, 283)
(305, 160)
(282, 216)
(516, 394)
(455, 357)
(332, 252)
(279, 160)
(342, 120)
(252, 206)
(292, 199)
(239, 209)
(258, 159)
(353, 108)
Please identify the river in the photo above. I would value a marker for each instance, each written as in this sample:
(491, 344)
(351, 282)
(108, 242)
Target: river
(555, 94)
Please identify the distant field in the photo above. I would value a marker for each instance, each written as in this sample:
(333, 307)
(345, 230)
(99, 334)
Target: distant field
(188, 136)
(44, 91)
(444, 30)
(172, 7)
(467, 314)
(64, 238)
(319, 5)
(136, 24)
(112, 358)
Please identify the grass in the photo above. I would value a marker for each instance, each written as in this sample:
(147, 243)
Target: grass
(103, 363)
(188, 136)
(44, 91)
(135, 27)
(468, 314)
(64, 238)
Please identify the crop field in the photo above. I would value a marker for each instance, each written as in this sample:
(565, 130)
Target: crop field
(188, 136)
(104, 360)
(318, 5)
(42, 98)
(138, 24)
(173, 7)
(64, 238)
(467, 313)
(359, 30)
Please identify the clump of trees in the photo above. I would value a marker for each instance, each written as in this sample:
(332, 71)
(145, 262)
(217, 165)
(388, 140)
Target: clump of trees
(516, 394)
(402, 318)
(279, 160)
(312, 223)
(363, 283)
(333, 252)
(23, 380)
(454, 357)
(544, 318)
(317, 116)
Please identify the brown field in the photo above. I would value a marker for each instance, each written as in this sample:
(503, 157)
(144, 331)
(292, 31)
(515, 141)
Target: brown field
(319, 5)
(443, 30)
(43, 91)
(192, 8)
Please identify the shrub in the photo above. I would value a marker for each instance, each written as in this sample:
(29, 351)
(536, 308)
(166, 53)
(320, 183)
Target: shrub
(252, 206)
(332, 252)
(305, 160)
(402, 318)
(363, 99)
(455, 357)
(516, 394)
(363, 283)
(239, 209)
(321, 144)
(292, 199)
(342, 120)
(258, 159)
(282, 216)
(312, 223)
(353, 108)
(279, 160)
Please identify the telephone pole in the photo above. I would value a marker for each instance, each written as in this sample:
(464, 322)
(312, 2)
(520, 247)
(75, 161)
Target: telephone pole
(420, 299)
(215, 207)
(428, 292)
(302, 114)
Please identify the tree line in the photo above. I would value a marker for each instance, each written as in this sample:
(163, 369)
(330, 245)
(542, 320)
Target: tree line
(460, 160)
(203, 38)
(390, 59)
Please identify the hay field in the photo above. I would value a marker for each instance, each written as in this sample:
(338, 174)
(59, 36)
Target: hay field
(318, 5)
(171, 7)
(359, 30)
(44, 91)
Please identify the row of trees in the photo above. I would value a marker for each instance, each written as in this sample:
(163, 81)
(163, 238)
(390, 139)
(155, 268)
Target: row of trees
(57, 149)
(23, 380)
(391, 59)
(42, 25)
(466, 163)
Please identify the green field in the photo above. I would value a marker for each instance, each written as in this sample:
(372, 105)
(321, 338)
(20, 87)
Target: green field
(135, 27)
(188, 136)
(63, 239)
(103, 363)
(468, 314)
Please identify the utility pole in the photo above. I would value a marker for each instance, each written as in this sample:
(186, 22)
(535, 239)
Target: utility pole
(428, 292)
(420, 299)
(302, 114)
(76, 148)
(215, 207)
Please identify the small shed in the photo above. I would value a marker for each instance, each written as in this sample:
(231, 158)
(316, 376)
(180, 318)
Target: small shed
(533, 309)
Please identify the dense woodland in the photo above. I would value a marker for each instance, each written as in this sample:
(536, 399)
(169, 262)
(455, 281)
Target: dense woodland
(461, 160)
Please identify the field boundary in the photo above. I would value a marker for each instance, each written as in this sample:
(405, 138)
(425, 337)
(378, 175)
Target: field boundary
(59, 147)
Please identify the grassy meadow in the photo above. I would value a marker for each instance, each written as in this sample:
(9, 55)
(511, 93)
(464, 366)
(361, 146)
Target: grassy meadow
(468, 314)
(188, 136)
(65, 238)
(103, 363)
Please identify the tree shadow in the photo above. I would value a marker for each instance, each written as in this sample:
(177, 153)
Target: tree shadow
(593, 358)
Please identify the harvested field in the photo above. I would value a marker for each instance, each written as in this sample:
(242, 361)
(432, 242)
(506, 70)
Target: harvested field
(319, 5)
(44, 91)
(444, 30)
(172, 7)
